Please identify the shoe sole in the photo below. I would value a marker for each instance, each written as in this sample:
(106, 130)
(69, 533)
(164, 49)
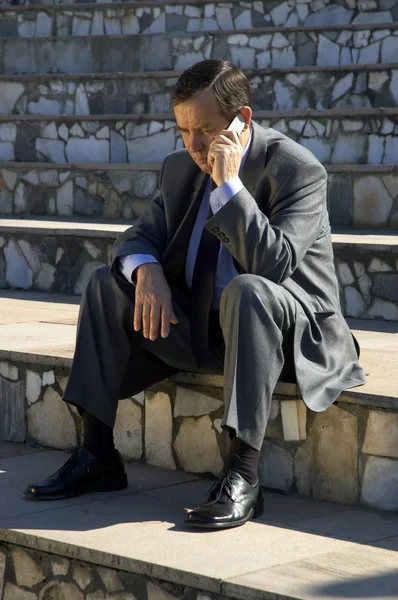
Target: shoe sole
(254, 513)
(104, 485)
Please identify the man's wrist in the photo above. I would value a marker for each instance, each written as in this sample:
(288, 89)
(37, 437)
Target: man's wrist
(145, 266)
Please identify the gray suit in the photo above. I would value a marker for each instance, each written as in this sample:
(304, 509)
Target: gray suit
(284, 303)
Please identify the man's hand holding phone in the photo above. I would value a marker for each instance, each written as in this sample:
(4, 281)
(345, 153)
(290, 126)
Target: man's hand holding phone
(225, 152)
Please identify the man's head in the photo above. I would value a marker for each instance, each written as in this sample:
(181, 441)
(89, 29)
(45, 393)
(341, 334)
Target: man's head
(206, 99)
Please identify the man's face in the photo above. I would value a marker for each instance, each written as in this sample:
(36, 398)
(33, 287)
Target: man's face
(199, 121)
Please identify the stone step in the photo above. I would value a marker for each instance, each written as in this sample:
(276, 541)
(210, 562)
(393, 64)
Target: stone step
(136, 541)
(176, 424)
(248, 48)
(59, 256)
(355, 86)
(359, 196)
(340, 136)
(160, 17)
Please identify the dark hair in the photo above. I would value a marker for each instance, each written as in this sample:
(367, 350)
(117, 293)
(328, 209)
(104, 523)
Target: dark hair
(227, 82)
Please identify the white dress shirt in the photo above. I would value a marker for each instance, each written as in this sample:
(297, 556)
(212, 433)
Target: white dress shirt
(225, 270)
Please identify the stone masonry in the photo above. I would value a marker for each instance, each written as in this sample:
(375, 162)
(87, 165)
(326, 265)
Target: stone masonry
(346, 137)
(358, 197)
(347, 454)
(263, 48)
(33, 575)
(132, 93)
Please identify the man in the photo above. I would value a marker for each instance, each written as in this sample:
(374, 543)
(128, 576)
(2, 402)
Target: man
(238, 279)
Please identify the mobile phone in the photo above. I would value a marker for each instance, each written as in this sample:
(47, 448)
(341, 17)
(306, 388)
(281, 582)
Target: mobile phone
(237, 125)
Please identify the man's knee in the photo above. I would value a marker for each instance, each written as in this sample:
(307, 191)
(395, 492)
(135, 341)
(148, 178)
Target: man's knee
(245, 286)
(99, 279)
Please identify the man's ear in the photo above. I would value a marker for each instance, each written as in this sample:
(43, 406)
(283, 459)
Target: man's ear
(246, 113)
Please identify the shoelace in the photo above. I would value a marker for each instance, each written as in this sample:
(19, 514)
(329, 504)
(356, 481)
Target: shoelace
(225, 484)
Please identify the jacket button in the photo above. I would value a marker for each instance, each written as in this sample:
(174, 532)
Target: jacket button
(226, 240)
(216, 229)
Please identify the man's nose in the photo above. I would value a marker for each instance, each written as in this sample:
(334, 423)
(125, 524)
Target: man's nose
(196, 143)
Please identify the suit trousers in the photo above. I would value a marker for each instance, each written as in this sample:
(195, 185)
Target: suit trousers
(250, 342)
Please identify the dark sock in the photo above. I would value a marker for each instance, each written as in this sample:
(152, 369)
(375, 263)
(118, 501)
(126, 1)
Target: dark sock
(243, 459)
(97, 436)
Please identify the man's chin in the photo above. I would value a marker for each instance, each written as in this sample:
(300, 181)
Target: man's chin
(202, 164)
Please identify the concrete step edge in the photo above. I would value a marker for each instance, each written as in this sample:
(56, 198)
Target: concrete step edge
(393, 25)
(371, 240)
(171, 74)
(45, 166)
(261, 114)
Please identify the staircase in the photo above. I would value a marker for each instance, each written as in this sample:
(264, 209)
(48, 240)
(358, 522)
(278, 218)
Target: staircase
(84, 126)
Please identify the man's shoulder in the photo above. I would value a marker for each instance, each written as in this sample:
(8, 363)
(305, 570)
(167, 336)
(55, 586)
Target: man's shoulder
(281, 147)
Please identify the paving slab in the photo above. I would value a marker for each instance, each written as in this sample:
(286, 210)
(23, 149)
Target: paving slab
(304, 556)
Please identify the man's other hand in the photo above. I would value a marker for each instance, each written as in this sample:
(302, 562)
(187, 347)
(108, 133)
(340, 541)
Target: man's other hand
(153, 307)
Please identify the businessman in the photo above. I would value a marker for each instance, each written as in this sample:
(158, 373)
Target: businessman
(229, 270)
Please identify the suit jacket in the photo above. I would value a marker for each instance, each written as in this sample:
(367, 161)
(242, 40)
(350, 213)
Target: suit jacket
(278, 227)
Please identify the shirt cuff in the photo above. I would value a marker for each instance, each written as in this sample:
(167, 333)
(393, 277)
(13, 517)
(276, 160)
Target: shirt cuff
(128, 264)
(221, 195)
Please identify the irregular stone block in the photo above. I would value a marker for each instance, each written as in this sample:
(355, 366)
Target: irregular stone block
(33, 386)
(12, 411)
(381, 434)
(377, 265)
(294, 420)
(65, 199)
(87, 150)
(349, 149)
(380, 483)
(190, 403)
(327, 463)
(158, 431)
(48, 378)
(60, 566)
(82, 576)
(155, 592)
(8, 371)
(275, 467)
(345, 274)
(372, 202)
(10, 92)
(31, 256)
(12, 592)
(128, 430)
(27, 571)
(50, 423)
(9, 178)
(110, 579)
(85, 275)
(151, 149)
(61, 590)
(7, 152)
(355, 306)
(196, 446)
(386, 286)
(382, 309)
(54, 150)
(18, 272)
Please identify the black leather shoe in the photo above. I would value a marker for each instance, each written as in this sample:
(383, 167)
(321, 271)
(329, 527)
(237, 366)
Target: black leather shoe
(230, 502)
(83, 472)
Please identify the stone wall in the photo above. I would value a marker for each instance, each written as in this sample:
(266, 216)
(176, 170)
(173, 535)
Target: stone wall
(128, 93)
(175, 51)
(343, 137)
(27, 574)
(37, 258)
(55, 20)
(346, 454)
(100, 193)
(359, 198)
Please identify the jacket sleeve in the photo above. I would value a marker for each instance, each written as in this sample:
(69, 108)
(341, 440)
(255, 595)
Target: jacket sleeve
(148, 234)
(273, 246)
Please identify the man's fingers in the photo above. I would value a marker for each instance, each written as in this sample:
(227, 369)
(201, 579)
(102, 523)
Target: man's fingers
(173, 318)
(154, 320)
(137, 316)
(146, 317)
